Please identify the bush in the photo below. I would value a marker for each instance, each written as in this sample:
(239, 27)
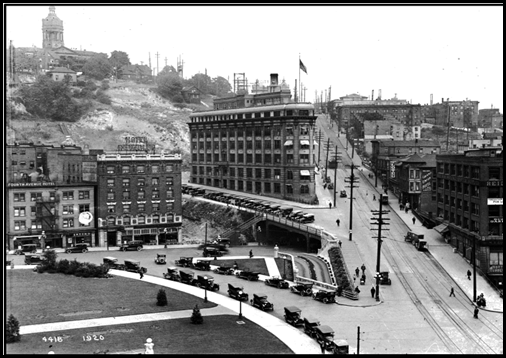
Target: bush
(50, 259)
(103, 98)
(105, 85)
(179, 105)
(12, 330)
(161, 298)
(63, 266)
(73, 266)
(177, 99)
(196, 317)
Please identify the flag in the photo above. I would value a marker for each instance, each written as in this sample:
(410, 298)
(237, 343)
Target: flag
(302, 67)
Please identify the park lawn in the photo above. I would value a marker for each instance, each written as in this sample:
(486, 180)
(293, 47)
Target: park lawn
(35, 298)
(217, 335)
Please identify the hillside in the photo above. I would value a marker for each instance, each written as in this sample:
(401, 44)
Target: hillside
(134, 111)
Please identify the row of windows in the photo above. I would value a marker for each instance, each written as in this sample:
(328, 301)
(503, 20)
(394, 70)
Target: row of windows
(259, 158)
(249, 144)
(258, 173)
(265, 114)
(254, 187)
(139, 169)
(466, 189)
(467, 171)
(141, 182)
(20, 225)
(126, 208)
(141, 194)
(264, 131)
(139, 220)
(66, 195)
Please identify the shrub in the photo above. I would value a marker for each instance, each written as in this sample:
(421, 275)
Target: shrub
(63, 266)
(177, 99)
(196, 317)
(12, 330)
(161, 298)
(105, 85)
(50, 259)
(103, 98)
(177, 104)
(73, 266)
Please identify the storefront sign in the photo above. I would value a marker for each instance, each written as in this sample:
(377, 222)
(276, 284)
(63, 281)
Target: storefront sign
(494, 183)
(42, 183)
(495, 269)
(494, 201)
(89, 171)
(134, 144)
(497, 220)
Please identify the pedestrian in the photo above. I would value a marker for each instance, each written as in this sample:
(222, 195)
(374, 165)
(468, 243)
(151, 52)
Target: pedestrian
(141, 273)
(373, 291)
(357, 290)
(330, 205)
(236, 266)
(149, 346)
(366, 193)
(338, 221)
(363, 268)
(476, 310)
(250, 254)
(374, 197)
(468, 274)
(414, 220)
(406, 209)
(325, 186)
(357, 271)
(340, 243)
(452, 292)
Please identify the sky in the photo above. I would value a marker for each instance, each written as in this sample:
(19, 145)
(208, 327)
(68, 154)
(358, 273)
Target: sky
(409, 51)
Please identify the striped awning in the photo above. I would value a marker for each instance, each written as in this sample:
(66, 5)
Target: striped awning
(304, 142)
(305, 173)
(288, 142)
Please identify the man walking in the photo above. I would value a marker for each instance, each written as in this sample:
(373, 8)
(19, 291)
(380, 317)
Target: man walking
(452, 292)
(374, 197)
(357, 271)
(141, 273)
(340, 243)
(250, 254)
(476, 310)
(363, 269)
(338, 222)
(330, 205)
(414, 220)
(373, 291)
(468, 274)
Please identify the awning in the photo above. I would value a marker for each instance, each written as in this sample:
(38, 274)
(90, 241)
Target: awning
(304, 142)
(442, 228)
(315, 143)
(288, 142)
(305, 173)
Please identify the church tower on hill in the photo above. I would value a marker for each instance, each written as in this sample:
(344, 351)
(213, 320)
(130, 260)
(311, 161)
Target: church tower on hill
(52, 31)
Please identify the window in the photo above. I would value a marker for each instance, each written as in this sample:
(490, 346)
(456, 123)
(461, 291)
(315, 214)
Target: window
(155, 181)
(289, 158)
(258, 158)
(141, 194)
(84, 207)
(155, 169)
(277, 158)
(267, 158)
(289, 175)
(33, 210)
(126, 182)
(68, 195)
(141, 169)
(141, 181)
(126, 194)
(156, 219)
(155, 194)
(111, 196)
(126, 208)
(232, 172)
(19, 225)
(169, 168)
(267, 187)
(170, 206)
(36, 225)
(249, 172)
(170, 217)
(304, 189)
(110, 169)
(304, 158)
(126, 220)
(19, 211)
(277, 188)
(84, 194)
(169, 181)
(289, 189)
(111, 208)
(68, 209)
(277, 174)
(141, 219)
(68, 222)
(110, 182)
(19, 196)
(125, 169)
(304, 130)
(267, 173)
(240, 172)
(170, 193)
(249, 158)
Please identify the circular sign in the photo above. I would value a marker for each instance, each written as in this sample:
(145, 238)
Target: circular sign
(85, 217)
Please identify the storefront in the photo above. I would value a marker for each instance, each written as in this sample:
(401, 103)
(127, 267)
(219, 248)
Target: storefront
(80, 237)
(17, 241)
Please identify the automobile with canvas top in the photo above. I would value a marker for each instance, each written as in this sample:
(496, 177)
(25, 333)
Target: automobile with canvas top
(207, 282)
(161, 259)
(260, 301)
(247, 275)
(77, 248)
(132, 245)
(202, 265)
(188, 277)
(303, 289)
(224, 270)
(172, 274)
(325, 296)
(292, 316)
(309, 326)
(113, 263)
(31, 248)
(276, 281)
(185, 262)
(237, 292)
(134, 266)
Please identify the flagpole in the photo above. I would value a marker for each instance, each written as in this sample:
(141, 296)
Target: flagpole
(299, 80)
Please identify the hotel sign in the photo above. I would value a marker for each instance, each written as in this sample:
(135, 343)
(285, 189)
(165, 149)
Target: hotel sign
(135, 144)
(494, 201)
(40, 183)
(497, 220)
(494, 183)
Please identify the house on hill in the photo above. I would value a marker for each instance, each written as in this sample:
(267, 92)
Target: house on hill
(191, 94)
(135, 72)
(60, 73)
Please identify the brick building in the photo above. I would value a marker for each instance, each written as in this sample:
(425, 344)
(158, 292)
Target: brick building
(460, 114)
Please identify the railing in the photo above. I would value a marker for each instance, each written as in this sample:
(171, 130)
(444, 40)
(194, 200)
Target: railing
(242, 227)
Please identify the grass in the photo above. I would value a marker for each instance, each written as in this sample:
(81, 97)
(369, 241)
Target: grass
(42, 298)
(254, 265)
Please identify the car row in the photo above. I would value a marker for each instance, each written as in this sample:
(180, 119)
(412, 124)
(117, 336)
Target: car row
(129, 265)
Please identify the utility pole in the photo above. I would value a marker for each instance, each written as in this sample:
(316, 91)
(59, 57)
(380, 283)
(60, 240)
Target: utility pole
(327, 158)
(351, 180)
(380, 221)
(205, 237)
(319, 141)
(157, 69)
(358, 339)
(336, 157)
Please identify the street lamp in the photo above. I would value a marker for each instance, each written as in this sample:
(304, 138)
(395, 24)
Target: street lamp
(165, 237)
(205, 289)
(240, 309)
(377, 276)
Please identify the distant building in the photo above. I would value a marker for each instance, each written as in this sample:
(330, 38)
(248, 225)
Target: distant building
(60, 73)
(136, 72)
(490, 118)
(191, 94)
(461, 114)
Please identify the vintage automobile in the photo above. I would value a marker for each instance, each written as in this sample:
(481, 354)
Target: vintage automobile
(309, 326)
(172, 274)
(224, 242)
(185, 262)
(210, 251)
(325, 296)
(307, 218)
(207, 282)
(112, 263)
(247, 275)
(237, 292)
(276, 281)
(132, 245)
(188, 277)
(260, 301)
(285, 211)
(134, 266)
(325, 337)
(224, 270)
(342, 194)
(330, 186)
(32, 248)
(296, 215)
(32, 259)
(417, 240)
(303, 289)
(202, 265)
(384, 279)
(341, 346)
(77, 248)
(161, 259)
(292, 316)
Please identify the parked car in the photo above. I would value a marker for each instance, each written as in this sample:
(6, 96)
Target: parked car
(330, 186)
(307, 218)
(309, 326)
(285, 210)
(296, 215)
(224, 270)
(343, 194)
(32, 248)
(187, 277)
(134, 266)
(224, 242)
(325, 338)
(112, 262)
(207, 282)
(260, 301)
(384, 279)
(77, 248)
(32, 259)
(276, 282)
(237, 292)
(212, 252)
(172, 274)
(247, 275)
(292, 316)
(303, 289)
(325, 296)
(185, 262)
(132, 245)
(203, 265)
(161, 259)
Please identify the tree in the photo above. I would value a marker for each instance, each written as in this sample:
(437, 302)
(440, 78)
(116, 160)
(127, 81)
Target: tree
(169, 85)
(98, 67)
(161, 298)
(220, 87)
(12, 330)
(119, 59)
(167, 70)
(202, 81)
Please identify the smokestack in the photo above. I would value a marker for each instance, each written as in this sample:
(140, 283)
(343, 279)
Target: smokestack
(442, 100)
(379, 94)
(274, 79)
(372, 95)
(431, 99)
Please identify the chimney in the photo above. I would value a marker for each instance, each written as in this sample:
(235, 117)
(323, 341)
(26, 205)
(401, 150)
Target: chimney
(431, 99)
(274, 79)
(372, 96)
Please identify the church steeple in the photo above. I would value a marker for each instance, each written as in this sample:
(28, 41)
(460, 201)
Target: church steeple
(52, 30)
